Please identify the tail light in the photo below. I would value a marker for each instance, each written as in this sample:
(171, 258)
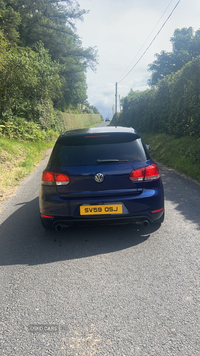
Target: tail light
(51, 178)
(145, 174)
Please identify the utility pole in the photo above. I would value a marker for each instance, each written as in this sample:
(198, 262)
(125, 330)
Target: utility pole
(119, 104)
(115, 98)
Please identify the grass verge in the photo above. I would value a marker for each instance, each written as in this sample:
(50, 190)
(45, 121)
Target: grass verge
(182, 154)
(17, 159)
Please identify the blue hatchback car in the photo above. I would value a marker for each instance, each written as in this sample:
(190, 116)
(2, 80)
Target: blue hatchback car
(100, 175)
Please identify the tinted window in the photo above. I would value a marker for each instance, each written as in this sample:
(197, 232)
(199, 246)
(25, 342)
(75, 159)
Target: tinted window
(87, 153)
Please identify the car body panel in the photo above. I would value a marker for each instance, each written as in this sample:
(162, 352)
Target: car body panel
(61, 203)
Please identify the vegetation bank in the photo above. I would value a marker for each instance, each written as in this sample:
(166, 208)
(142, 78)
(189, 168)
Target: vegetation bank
(167, 114)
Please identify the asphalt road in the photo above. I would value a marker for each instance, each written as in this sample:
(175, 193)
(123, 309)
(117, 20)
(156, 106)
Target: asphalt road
(114, 290)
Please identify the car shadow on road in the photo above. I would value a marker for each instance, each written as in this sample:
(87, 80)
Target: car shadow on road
(183, 192)
(24, 241)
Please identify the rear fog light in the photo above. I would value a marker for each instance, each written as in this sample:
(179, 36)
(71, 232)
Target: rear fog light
(46, 216)
(157, 211)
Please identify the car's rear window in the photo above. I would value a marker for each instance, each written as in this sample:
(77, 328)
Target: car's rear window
(95, 150)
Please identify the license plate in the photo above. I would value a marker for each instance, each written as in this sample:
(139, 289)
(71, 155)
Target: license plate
(101, 209)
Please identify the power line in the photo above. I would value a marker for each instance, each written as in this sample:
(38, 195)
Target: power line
(151, 41)
(146, 40)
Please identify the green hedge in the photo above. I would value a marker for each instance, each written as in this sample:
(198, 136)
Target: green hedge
(172, 107)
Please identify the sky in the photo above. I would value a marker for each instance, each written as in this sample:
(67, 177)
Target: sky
(121, 30)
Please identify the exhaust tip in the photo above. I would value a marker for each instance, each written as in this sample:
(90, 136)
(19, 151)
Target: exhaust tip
(146, 223)
(58, 227)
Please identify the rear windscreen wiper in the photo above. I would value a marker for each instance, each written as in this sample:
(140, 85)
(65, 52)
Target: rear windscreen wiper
(100, 161)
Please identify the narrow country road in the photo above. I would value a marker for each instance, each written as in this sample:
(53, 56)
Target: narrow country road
(115, 290)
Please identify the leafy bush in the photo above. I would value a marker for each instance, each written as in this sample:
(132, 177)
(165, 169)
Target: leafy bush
(18, 128)
(29, 80)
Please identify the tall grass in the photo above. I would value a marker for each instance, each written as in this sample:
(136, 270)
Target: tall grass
(182, 154)
(17, 159)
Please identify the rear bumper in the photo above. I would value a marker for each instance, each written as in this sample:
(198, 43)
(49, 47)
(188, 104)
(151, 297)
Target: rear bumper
(148, 206)
(60, 222)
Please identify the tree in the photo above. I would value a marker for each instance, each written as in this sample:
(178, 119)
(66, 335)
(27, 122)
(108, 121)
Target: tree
(186, 46)
(167, 63)
(9, 22)
(29, 80)
(52, 22)
(182, 40)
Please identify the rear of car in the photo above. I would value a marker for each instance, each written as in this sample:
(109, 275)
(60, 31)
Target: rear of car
(100, 175)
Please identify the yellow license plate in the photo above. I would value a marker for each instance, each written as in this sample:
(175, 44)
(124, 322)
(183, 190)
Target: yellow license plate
(101, 209)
